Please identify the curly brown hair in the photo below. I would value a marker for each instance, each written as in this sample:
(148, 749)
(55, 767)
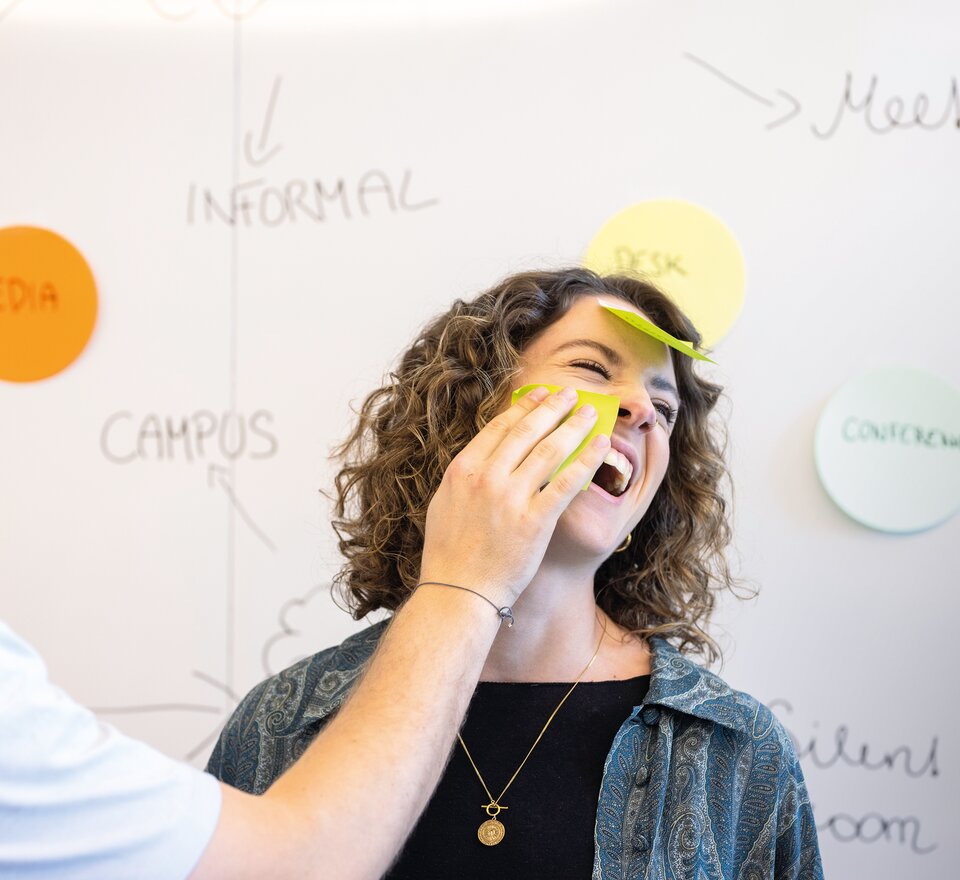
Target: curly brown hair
(451, 381)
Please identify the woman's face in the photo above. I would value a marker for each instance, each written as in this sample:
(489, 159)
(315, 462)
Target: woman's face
(591, 349)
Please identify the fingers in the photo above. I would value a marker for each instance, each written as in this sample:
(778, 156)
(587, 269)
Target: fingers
(568, 483)
(553, 449)
(491, 436)
(528, 442)
(528, 432)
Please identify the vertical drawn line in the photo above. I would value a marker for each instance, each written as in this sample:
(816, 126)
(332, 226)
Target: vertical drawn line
(231, 603)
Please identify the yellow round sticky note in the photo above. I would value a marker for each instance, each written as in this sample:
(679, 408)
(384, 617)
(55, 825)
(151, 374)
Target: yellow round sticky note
(685, 251)
(48, 303)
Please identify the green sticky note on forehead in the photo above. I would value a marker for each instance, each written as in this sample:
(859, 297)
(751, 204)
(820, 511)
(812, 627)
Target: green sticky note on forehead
(644, 326)
(606, 405)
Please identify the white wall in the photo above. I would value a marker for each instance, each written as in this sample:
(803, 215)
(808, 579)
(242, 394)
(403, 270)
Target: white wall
(160, 589)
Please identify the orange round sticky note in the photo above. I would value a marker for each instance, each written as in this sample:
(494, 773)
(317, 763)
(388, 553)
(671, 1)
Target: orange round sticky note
(48, 303)
(682, 249)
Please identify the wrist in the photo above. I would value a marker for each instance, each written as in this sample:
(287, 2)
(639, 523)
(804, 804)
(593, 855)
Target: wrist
(503, 612)
(489, 584)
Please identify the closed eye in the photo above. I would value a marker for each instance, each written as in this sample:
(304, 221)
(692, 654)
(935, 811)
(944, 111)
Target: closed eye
(668, 411)
(595, 366)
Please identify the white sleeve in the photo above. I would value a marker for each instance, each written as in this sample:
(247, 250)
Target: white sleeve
(78, 799)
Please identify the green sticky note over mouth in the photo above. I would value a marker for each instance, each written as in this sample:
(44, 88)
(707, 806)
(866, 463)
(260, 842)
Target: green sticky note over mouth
(651, 329)
(606, 405)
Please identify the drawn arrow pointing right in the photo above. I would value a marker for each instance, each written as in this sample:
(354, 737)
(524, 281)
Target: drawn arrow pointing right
(787, 99)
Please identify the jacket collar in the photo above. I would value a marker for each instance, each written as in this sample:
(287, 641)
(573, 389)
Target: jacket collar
(676, 682)
(338, 670)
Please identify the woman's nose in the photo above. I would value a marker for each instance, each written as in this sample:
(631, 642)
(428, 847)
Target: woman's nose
(638, 411)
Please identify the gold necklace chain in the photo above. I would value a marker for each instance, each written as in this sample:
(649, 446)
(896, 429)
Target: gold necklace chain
(491, 832)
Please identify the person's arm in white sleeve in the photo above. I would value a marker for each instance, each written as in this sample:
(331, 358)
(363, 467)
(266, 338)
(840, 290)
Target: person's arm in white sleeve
(81, 801)
(345, 808)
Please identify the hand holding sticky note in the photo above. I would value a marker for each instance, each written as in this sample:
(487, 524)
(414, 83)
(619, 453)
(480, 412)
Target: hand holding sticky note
(606, 405)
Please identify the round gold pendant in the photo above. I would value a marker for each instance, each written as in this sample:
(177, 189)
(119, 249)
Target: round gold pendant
(491, 832)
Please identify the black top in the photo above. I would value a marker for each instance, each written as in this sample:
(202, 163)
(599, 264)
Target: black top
(552, 804)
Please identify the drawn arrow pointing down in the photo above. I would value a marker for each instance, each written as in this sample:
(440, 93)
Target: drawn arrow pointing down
(262, 155)
(787, 98)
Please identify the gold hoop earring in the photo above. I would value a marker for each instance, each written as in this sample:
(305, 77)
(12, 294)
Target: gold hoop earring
(625, 544)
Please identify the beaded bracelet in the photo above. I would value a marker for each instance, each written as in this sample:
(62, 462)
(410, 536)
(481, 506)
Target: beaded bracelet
(505, 613)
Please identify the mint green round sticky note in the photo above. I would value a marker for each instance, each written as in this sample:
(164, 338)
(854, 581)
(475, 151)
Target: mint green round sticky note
(887, 448)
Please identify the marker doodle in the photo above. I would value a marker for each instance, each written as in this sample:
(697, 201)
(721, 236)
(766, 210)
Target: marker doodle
(220, 476)
(873, 828)
(879, 116)
(838, 751)
(288, 631)
(262, 155)
(893, 114)
(256, 202)
(787, 107)
(126, 438)
(222, 710)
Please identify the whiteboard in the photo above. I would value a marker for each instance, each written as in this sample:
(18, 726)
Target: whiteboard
(163, 539)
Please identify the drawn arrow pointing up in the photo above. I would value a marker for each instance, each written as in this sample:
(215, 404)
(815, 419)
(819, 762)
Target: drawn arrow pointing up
(786, 99)
(261, 155)
(217, 475)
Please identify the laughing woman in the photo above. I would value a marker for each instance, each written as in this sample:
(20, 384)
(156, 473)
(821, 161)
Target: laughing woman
(594, 743)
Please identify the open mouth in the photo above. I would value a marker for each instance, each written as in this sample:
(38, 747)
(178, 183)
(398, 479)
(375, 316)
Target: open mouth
(615, 474)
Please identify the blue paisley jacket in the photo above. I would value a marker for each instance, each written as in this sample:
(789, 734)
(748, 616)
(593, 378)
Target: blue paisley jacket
(701, 781)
